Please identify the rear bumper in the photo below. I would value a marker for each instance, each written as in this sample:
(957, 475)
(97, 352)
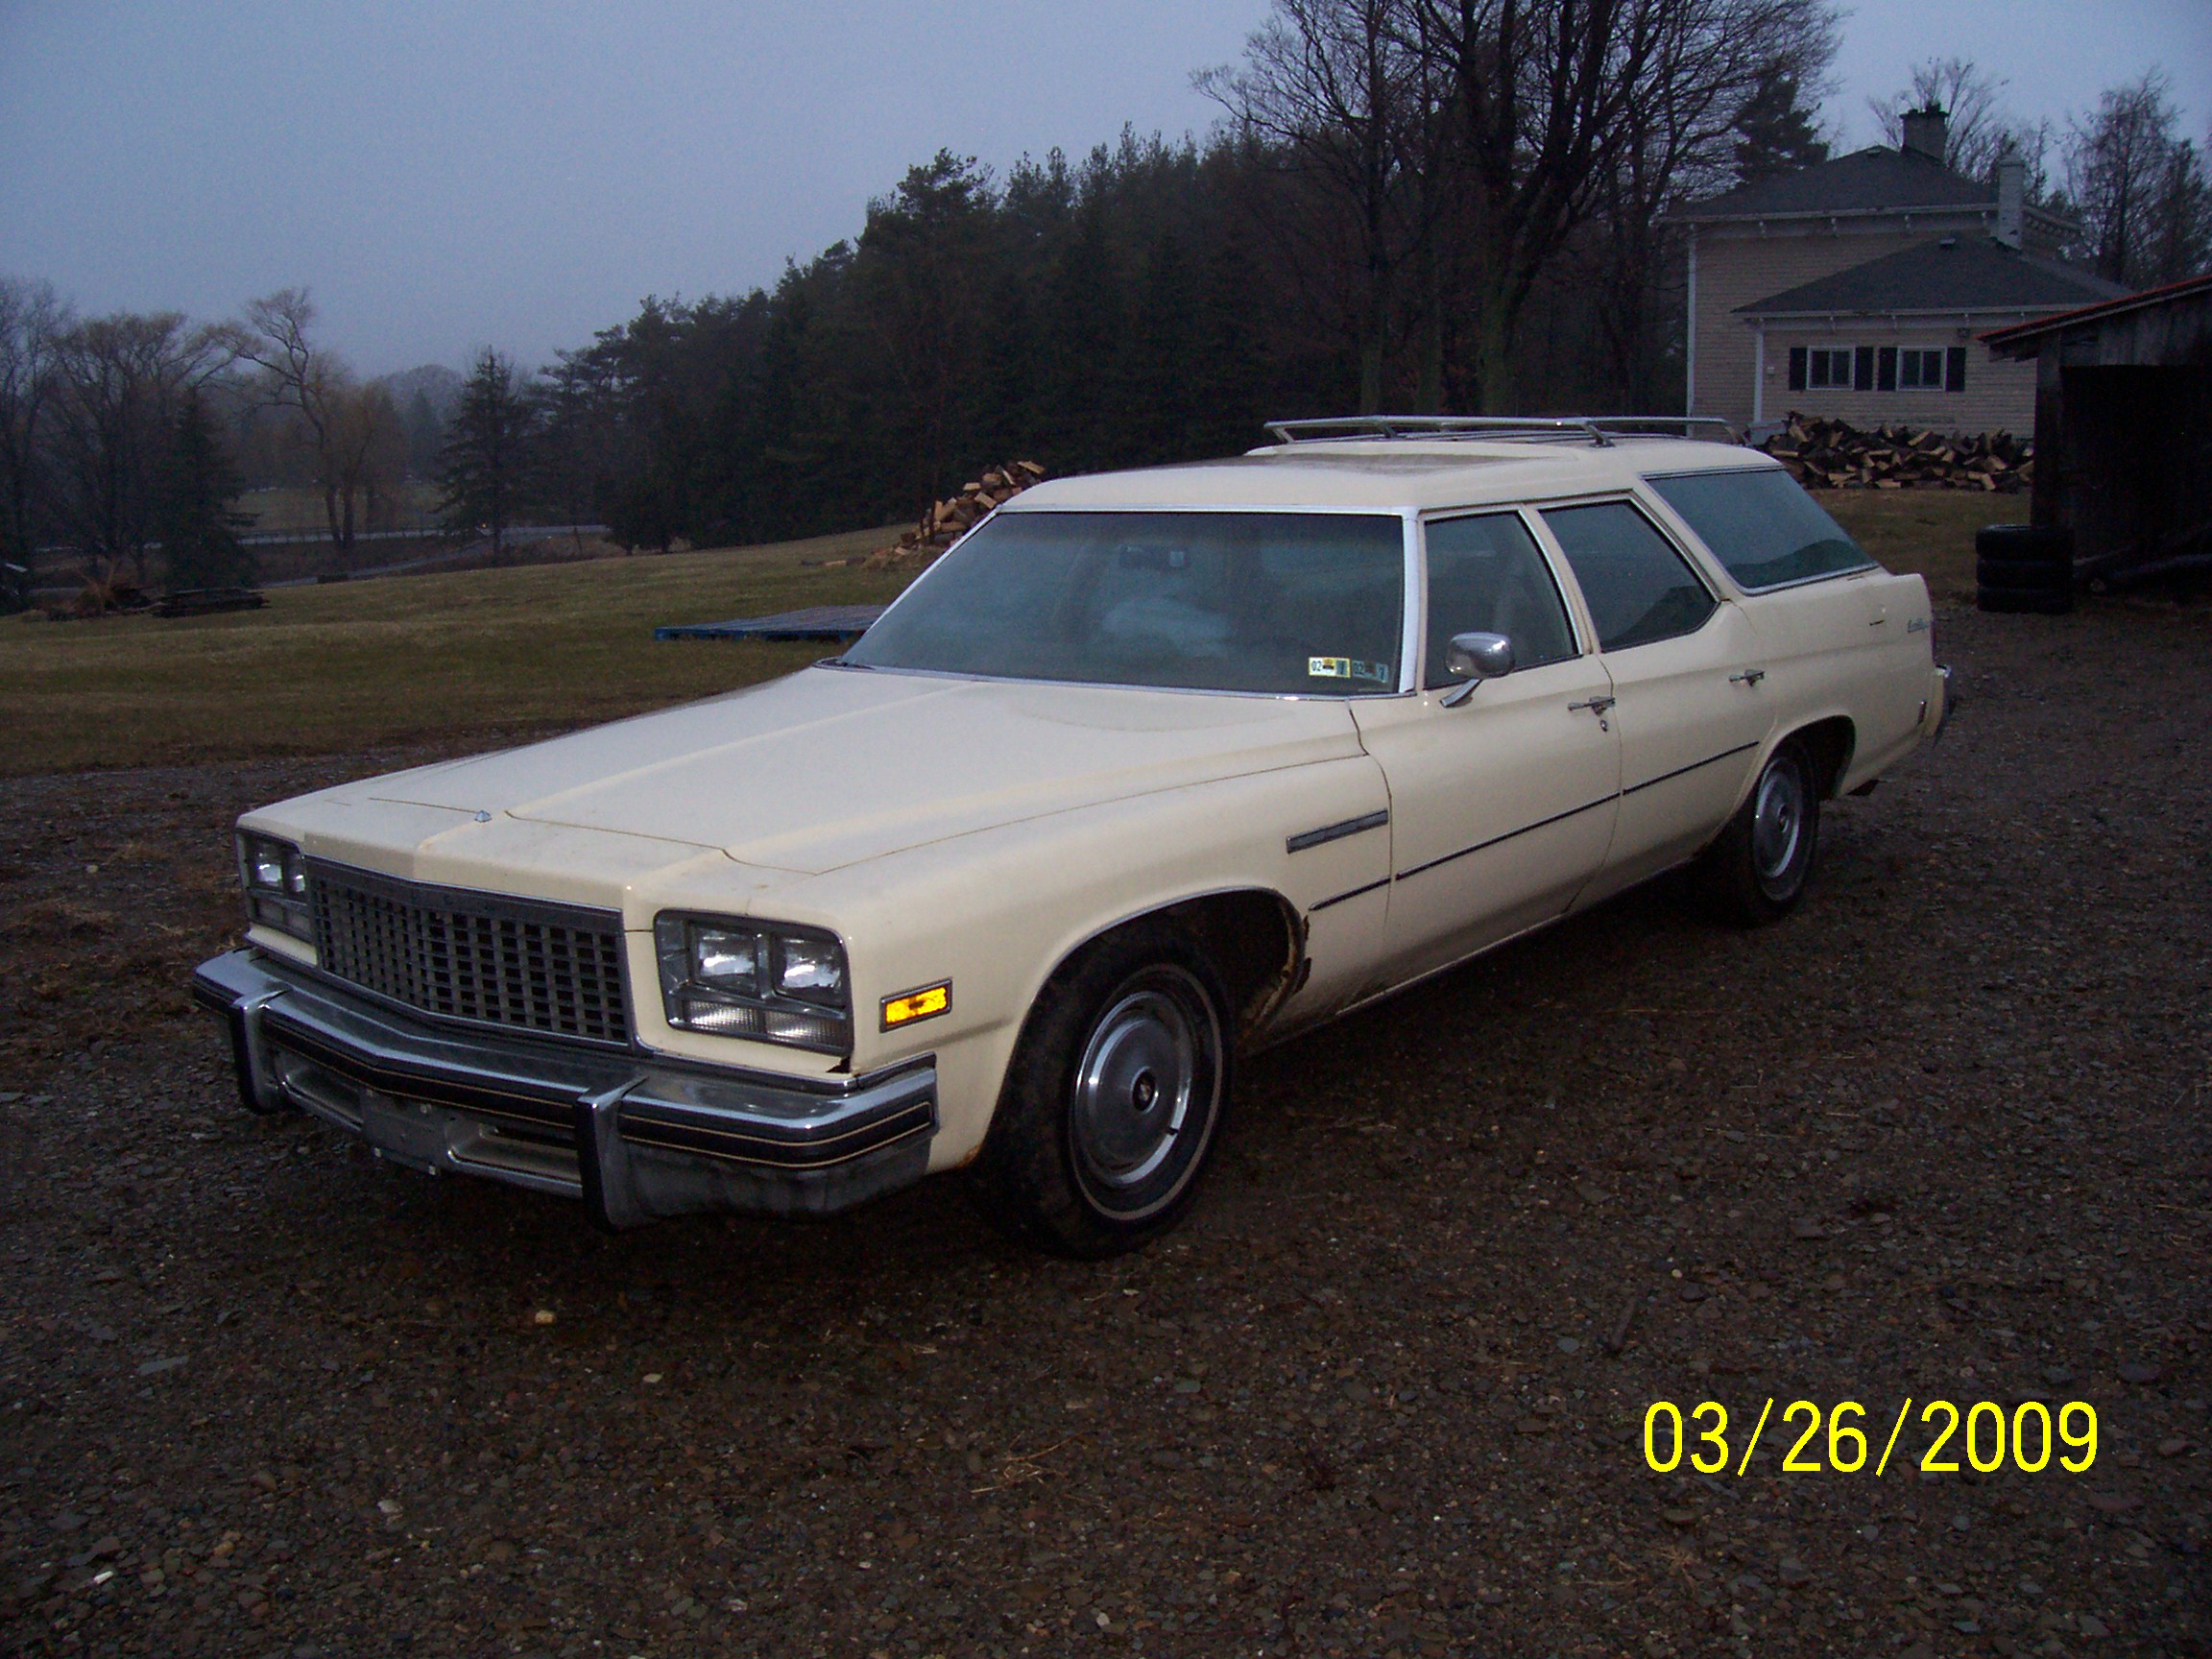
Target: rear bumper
(634, 1136)
(1936, 710)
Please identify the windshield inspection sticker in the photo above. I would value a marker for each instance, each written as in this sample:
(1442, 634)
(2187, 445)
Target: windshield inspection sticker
(1346, 668)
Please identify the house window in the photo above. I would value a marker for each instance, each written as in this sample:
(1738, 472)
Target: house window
(1825, 369)
(1920, 371)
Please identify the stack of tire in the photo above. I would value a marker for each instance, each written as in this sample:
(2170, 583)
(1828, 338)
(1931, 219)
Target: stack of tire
(2024, 570)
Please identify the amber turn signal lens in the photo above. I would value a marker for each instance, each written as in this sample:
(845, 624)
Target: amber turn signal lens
(909, 1006)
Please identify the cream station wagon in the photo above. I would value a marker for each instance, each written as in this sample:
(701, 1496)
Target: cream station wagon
(1149, 769)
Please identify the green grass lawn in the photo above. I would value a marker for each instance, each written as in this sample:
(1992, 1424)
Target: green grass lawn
(1927, 530)
(352, 665)
(287, 507)
(362, 664)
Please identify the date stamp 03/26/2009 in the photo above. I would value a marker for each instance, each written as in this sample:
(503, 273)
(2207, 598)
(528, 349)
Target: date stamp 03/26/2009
(1983, 1431)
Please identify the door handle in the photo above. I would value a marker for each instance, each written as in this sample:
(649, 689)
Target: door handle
(1598, 707)
(1750, 677)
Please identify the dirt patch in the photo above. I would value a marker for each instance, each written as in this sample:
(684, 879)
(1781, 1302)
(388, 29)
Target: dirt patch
(1943, 1134)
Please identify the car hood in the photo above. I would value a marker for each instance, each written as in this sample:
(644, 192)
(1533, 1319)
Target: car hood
(832, 766)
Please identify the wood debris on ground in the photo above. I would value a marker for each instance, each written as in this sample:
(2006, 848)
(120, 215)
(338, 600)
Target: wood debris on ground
(944, 522)
(1823, 452)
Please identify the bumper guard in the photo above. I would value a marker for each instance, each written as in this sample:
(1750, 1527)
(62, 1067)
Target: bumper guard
(634, 1136)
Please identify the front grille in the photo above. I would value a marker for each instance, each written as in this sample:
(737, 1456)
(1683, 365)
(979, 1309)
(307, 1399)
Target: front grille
(465, 955)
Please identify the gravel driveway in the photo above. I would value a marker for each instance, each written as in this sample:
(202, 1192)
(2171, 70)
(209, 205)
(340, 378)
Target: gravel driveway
(1941, 1135)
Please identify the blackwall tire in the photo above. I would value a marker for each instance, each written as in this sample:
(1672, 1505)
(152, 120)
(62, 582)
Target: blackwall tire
(2022, 574)
(1758, 870)
(1114, 1099)
(2047, 546)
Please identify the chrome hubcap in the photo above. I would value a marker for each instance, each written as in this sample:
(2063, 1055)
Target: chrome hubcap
(1777, 822)
(1145, 1077)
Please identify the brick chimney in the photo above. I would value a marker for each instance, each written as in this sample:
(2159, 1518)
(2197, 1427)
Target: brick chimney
(1925, 132)
(2011, 198)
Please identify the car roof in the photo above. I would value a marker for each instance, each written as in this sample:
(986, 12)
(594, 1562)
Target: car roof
(1396, 475)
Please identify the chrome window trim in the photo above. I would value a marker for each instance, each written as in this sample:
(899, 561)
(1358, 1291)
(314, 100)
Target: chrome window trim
(1692, 561)
(1547, 551)
(1102, 685)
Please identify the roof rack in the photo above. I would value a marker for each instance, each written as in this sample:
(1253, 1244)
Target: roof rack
(1599, 429)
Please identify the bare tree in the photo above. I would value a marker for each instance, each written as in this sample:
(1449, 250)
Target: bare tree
(1340, 90)
(2141, 191)
(347, 428)
(33, 318)
(120, 378)
(1553, 99)
(1714, 65)
(1979, 129)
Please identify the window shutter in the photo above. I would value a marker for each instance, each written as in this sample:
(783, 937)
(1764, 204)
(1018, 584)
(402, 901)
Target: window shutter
(1863, 369)
(1797, 368)
(1954, 369)
(1886, 369)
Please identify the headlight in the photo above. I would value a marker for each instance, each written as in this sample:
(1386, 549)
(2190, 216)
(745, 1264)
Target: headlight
(758, 979)
(276, 878)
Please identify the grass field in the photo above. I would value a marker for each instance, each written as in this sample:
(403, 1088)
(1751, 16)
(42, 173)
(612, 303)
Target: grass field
(290, 508)
(1930, 531)
(367, 665)
(361, 664)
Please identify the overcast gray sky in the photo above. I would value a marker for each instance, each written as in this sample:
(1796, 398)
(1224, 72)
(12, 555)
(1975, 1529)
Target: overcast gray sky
(520, 173)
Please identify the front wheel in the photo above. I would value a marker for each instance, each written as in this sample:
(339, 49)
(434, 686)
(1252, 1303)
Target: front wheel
(1757, 871)
(1112, 1101)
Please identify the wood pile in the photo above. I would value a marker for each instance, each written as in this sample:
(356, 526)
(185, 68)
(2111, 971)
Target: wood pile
(1823, 453)
(944, 522)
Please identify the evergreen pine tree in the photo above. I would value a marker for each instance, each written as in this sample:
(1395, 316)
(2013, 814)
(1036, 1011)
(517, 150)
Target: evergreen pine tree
(1775, 133)
(1157, 405)
(1229, 371)
(482, 467)
(1082, 336)
(194, 519)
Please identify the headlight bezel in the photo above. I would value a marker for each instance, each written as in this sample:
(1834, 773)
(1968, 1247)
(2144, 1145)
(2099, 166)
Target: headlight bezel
(273, 873)
(758, 1005)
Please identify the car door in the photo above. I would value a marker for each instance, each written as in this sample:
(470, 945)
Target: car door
(1838, 634)
(1501, 807)
(1686, 669)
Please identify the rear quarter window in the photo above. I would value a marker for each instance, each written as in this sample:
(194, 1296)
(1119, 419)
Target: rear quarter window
(1765, 530)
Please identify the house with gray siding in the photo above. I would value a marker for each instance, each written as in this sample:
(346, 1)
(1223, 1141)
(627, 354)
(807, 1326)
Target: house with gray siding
(1857, 288)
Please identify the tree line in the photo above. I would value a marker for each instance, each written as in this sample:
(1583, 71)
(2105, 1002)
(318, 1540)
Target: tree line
(1407, 205)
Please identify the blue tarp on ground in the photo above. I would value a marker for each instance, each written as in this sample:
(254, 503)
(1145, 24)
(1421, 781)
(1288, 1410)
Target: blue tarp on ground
(814, 622)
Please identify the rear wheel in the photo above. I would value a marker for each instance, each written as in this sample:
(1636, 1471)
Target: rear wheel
(1757, 871)
(1111, 1104)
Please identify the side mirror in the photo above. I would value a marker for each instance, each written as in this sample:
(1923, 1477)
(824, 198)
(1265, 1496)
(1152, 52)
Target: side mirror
(1474, 658)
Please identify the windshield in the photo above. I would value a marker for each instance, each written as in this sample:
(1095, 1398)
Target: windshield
(1303, 603)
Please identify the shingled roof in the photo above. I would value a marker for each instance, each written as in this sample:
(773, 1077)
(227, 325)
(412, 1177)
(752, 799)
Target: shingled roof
(1957, 273)
(1873, 180)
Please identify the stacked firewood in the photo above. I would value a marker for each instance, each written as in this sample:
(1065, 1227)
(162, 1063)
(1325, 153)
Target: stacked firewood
(942, 523)
(1826, 453)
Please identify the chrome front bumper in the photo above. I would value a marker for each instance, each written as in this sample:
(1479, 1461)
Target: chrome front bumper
(634, 1136)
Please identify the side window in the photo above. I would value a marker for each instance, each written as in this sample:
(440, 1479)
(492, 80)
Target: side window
(1764, 529)
(1638, 586)
(1486, 576)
